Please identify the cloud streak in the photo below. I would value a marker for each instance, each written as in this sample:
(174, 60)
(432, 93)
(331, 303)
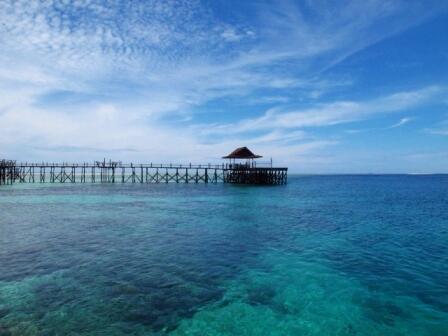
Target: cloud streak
(403, 121)
(439, 129)
(334, 113)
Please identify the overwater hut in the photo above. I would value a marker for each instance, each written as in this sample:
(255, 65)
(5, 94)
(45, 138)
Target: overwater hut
(242, 169)
(242, 154)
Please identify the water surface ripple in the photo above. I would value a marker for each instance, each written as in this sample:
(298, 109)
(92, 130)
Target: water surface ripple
(323, 255)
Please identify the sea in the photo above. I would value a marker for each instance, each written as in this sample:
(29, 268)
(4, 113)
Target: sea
(322, 255)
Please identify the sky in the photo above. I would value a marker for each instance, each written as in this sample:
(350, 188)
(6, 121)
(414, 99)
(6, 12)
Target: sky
(320, 86)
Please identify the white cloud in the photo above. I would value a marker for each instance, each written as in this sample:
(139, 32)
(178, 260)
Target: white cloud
(403, 121)
(354, 131)
(231, 35)
(333, 113)
(92, 39)
(439, 129)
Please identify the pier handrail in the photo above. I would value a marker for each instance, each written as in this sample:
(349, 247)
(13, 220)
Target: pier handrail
(99, 164)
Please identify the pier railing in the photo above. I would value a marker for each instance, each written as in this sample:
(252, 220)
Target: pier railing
(125, 165)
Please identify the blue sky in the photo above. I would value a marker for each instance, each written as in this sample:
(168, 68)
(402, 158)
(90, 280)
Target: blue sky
(320, 86)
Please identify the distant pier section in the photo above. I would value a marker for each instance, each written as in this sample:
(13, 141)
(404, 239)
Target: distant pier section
(7, 171)
(240, 169)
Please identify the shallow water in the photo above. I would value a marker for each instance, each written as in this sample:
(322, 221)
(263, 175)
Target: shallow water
(324, 255)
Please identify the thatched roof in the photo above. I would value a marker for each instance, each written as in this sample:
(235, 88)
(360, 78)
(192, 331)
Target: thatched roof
(242, 153)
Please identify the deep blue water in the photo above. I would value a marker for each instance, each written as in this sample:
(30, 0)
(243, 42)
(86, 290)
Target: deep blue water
(323, 255)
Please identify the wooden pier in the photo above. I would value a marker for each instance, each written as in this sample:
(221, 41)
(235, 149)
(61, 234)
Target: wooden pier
(115, 172)
(240, 169)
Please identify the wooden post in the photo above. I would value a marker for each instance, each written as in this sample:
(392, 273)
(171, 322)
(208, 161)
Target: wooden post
(141, 174)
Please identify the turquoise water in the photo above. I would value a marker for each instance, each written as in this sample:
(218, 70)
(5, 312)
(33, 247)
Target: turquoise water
(324, 255)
